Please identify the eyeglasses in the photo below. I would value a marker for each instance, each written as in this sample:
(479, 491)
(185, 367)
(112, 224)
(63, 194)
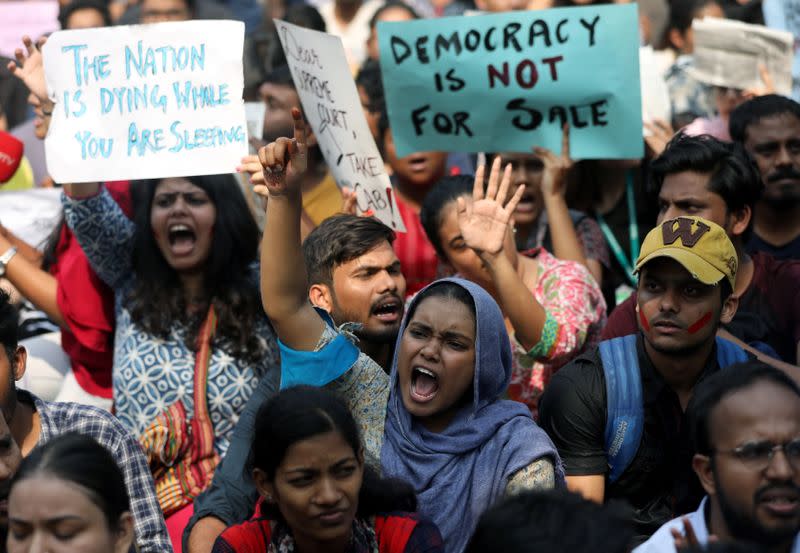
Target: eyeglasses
(758, 455)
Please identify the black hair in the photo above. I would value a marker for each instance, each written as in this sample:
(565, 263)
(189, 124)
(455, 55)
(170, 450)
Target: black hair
(683, 12)
(301, 412)
(280, 76)
(446, 191)
(711, 391)
(80, 460)
(555, 521)
(369, 78)
(733, 174)
(444, 289)
(9, 325)
(66, 10)
(157, 302)
(761, 107)
(388, 6)
(306, 16)
(339, 239)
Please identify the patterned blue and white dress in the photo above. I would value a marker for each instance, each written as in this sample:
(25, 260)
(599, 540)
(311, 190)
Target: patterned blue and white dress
(150, 373)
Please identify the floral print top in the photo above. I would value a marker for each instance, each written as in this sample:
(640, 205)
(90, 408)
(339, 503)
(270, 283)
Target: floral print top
(576, 314)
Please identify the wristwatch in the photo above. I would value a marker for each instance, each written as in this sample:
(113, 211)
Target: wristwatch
(5, 258)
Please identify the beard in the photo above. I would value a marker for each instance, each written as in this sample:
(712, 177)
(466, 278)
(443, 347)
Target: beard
(744, 526)
(382, 335)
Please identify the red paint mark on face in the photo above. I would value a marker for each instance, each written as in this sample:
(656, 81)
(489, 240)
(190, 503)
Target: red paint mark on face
(701, 322)
(643, 320)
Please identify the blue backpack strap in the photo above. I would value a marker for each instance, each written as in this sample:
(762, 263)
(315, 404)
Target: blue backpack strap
(729, 353)
(625, 421)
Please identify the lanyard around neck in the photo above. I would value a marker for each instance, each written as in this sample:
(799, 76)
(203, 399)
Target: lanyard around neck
(633, 232)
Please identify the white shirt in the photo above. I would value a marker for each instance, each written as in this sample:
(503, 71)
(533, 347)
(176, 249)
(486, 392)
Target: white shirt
(354, 35)
(663, 542)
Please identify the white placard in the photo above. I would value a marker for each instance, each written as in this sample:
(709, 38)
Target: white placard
(655, 94)
(31, 214)
(727, 53)
(146, 101)
(330, 101)
(255, 112)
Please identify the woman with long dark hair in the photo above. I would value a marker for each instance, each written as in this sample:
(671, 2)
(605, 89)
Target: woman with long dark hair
(191, 339)
(318, 494)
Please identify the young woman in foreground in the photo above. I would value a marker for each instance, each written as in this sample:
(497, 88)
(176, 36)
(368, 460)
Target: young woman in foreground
(308, 465)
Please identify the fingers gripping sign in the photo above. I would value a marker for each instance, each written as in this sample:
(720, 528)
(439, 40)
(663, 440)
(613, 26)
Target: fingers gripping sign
(484, 221)
(284, 161)
(556, 167)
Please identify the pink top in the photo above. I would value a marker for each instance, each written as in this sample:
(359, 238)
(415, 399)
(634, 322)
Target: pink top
(576, 313)
(716, 127)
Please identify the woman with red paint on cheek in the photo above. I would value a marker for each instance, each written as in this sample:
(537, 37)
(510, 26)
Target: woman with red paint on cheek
(190, 327)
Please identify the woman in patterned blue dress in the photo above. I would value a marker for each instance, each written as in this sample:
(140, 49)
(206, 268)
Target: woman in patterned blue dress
(192, 244)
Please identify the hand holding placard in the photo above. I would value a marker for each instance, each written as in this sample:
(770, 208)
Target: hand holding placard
(556, 167)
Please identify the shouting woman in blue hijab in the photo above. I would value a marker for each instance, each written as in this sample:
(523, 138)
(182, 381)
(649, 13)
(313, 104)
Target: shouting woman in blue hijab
(437, 421)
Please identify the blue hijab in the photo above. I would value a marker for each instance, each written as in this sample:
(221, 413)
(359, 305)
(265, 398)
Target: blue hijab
(464, 470)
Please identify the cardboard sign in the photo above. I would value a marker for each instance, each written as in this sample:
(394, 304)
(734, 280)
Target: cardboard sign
(332, 107)
(506, 82)
(727, 53)
(146, 101)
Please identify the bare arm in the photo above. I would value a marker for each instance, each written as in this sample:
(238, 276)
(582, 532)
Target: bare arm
(484, 225)
(591, 487)
(204, 534)
(284, 284)
(25, 250)
(554, 184)
(35, 284)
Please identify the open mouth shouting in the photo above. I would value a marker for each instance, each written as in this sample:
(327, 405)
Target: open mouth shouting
(424, 384)
(387, 310)
(182, 239)
(526, 204)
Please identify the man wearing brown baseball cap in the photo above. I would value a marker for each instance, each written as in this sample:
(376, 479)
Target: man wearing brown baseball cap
(616, 413)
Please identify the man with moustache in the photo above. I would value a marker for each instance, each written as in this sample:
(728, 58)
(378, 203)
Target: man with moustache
(355, 277)
(769, 128)
(616, 413)
(745, 427)
(718, 181)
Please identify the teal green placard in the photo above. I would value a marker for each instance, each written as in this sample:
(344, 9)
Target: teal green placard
(507, 82)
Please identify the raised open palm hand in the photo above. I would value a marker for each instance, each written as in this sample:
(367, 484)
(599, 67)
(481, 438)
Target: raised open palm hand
(31, 67)
(484, 221)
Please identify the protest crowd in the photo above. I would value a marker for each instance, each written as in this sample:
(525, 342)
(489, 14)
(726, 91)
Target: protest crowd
(400, 276)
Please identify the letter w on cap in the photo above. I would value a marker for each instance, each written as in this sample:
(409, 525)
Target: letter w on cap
(682, 228)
